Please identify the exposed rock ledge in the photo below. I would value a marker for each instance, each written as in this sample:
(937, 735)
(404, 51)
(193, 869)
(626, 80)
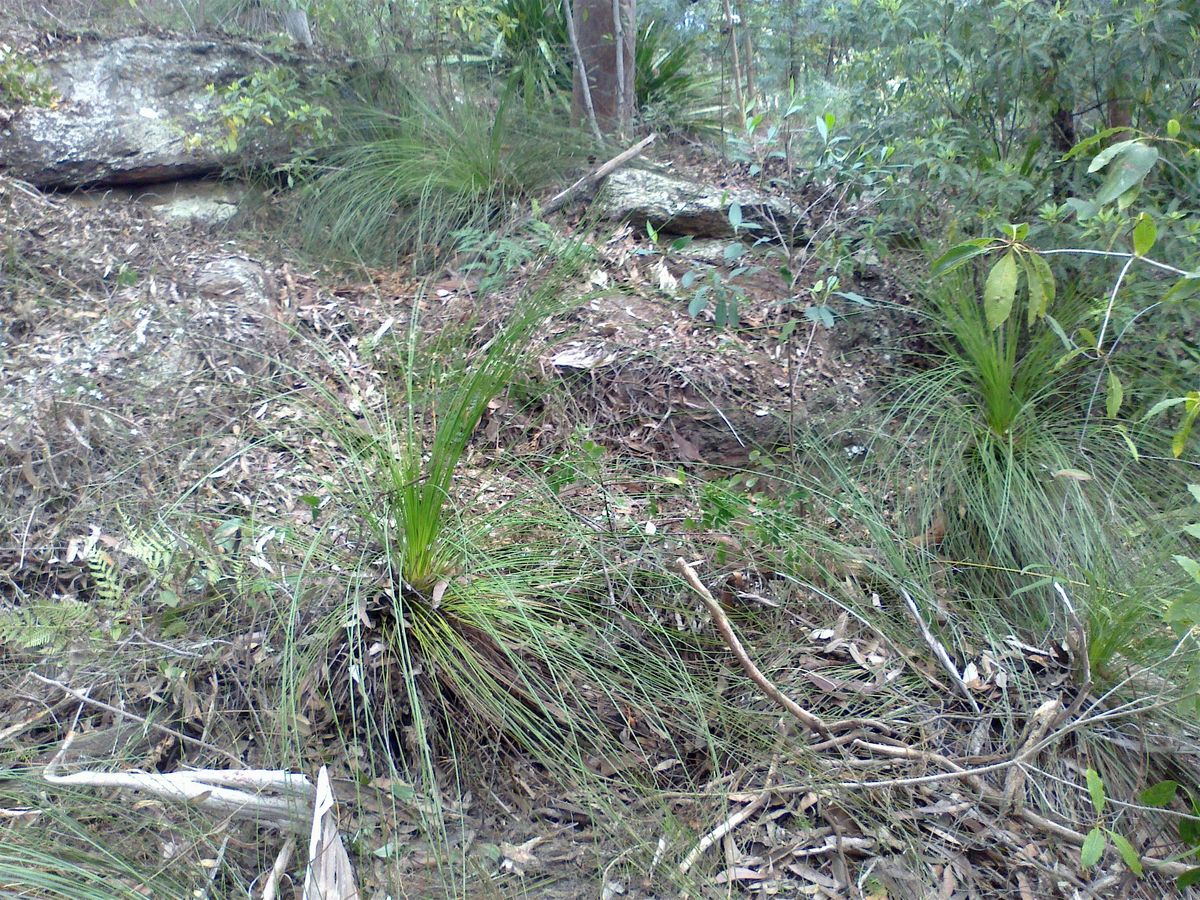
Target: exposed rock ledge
(679, 206)
(126, 108)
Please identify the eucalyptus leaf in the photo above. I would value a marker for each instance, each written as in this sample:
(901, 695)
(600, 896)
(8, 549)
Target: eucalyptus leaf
(1095, 786)
(1114, 396)
(1128, 854)
(959, 254)
(1159, 794)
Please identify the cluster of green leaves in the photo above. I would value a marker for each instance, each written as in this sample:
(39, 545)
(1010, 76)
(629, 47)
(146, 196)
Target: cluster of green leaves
(22, 83)
(267, 99)
(1159, 795)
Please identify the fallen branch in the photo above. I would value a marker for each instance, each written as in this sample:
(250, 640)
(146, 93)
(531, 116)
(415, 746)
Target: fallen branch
(238, 793)
(556, 202)
(723, 829)
(809, 720)
(275, 877)
(939, 651)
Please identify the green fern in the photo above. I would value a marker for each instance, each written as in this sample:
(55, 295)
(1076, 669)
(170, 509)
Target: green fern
(109, 585)
(50, 626)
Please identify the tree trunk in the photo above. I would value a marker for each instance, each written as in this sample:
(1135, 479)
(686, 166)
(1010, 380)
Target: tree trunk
(736, 64)
(596, 30)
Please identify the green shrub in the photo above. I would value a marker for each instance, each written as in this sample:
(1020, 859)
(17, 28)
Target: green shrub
(21, 83)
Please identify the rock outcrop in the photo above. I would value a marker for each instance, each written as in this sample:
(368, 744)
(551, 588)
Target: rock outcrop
(127, 107)
(679, 206)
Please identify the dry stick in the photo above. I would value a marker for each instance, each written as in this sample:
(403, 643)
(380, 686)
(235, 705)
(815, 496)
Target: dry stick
(1078, 642)
(997, 800)
(809, 720)
(616, 162)
(84, 698)
(223, 792)
(939, 651)
(723, 829)
(271, 886)
(586, 89)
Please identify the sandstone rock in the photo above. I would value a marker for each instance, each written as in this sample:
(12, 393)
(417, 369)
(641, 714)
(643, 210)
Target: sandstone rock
(127, 107)
(679, 206)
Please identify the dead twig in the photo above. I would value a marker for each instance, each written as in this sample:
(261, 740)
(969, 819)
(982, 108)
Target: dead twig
(809, 720)
(939, 651)
(271, 886)
(238, 793)
(558, 200)
(179, 735)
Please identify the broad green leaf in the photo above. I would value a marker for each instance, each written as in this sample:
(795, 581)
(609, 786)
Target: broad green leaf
(1128, 198)
(823, 130)
(1182, 289)
(1084, 209)
(1172, 128)
(1095, 786)
(1093, 847)
(1068, 358)
(1188, 879)
(854, 297)
(1133, 450)
(959, 254)
(1089, 142)
(1127, 172)
(1194, 490)
(1115, 395)
(1192, 530)
(1058, 330)
(1144, 234)
(1159, 794)
(1105, 156)
(1041, 287)
(1189, 829)
(1000, 290)
(1131, 857)
(1183, 611)
(652, 231)
(735, 215)
(1015, 232)
(681, 243)
(1188, 565)
(1192, 410)
(822, 315)
(1163, 405)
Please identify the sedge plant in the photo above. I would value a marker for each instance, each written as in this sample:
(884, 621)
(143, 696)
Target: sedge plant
(501, 620)
(404, 181)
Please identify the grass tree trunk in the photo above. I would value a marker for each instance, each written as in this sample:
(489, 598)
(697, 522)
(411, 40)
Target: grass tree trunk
(605, 31)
